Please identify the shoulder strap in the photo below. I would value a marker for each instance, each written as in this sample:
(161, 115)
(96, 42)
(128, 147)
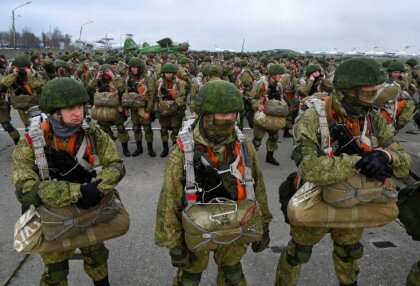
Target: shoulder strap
(36, 134)
(247, 180)
(319, 106)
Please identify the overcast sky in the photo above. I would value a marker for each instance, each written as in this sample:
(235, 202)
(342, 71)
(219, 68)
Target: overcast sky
(264, 24)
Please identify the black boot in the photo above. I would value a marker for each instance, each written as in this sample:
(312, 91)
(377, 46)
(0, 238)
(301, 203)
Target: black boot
(354, 284)
(165, 149)
(125, 150)
(286, 133)
(139, 149)
(150, 149)
(103, 282)
(16, 140)
(270, 159)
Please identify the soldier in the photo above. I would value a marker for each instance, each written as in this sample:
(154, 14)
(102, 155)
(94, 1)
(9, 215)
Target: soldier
(214, 138)
(355, 83)
(23, 86)
(267, 89)
(314, 78)
(145, 88)
(107, 81)
(171, 100)
(64, 100)
(62, 69)
(242, 78)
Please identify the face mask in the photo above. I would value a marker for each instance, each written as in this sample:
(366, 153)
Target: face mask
(216, 130)
(352, 106)
(366, 96)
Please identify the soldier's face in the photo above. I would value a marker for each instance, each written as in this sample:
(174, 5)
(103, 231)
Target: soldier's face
(169, 75)
(276, 77)
(367, 94)
(395, 74)
(135, 70)
(236, 69)
(73, 115)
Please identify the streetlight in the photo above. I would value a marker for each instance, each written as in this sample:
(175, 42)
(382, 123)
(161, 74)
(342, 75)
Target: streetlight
(81, 28)
(13, 23)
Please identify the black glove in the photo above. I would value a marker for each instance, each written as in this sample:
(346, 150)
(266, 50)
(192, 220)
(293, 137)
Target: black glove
(259, 246)
(375, 165)
(206, 176)
(181, 258)
(91, 195)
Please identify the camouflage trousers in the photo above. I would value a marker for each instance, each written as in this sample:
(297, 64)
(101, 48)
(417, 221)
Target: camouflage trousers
(173, 123)
(347, 250)
(138, 121)
(229, 269)
(24, 117)
(123, 136)
(273, 137)
(5, 121)
(413, 278)
(56, 268)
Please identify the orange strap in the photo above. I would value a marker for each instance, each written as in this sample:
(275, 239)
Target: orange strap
(28, 87)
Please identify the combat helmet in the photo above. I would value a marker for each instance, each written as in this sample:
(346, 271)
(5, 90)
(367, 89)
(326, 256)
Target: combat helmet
(169, 68)
(184, 60)
(218, 96)
(137, 63)
(62, 93)
(276, 69)
(62, 64)
(311, 68)
(395, 66)
(104, 67)
(412, 62)
(358, 72)
(22, 61)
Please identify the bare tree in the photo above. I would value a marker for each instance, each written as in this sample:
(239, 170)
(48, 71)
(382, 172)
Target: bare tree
(28, 39)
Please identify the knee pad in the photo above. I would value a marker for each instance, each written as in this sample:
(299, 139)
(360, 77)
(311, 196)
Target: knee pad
(233, 274)
(147, 128)
(56, 272)
(163, 130)
(274, 137)
(349, 252)
(120, 129)
(175, 130)
(190, 279)
(7, 127)
(136, 128)
(256, 142)
(96, 257)
(298, 254)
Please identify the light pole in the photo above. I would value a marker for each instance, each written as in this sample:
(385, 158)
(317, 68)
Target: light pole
(81, 28)
(13, 23)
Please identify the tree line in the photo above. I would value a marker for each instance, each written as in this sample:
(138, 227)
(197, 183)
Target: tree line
(26, 39)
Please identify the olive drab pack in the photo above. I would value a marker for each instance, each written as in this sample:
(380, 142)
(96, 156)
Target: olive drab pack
(106, 114)
(136, 99)
(167, 105)
(220, 222)
(106, 99)
(354, 202)
(268, 122)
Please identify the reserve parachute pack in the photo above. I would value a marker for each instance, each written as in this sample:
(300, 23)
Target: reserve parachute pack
(43, 228)
(357, 201)
(221, 221)
(106, 107)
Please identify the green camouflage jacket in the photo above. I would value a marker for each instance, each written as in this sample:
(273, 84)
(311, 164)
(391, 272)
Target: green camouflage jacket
(320, 169)
(168, 229)
(35, 80)
(31, 190)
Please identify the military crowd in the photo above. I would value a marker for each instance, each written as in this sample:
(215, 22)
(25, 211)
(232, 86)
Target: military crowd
(344, 113)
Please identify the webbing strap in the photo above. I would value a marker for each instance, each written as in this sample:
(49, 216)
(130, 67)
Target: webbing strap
(38, 142)
(319, 107)
(248, 180)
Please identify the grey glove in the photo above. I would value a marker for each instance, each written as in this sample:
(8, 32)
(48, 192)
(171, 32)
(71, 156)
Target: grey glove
(259, 246)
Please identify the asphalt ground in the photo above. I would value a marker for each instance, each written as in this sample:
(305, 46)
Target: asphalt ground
(135, 260)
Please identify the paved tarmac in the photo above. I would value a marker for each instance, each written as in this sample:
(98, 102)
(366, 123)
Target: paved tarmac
(135, 260)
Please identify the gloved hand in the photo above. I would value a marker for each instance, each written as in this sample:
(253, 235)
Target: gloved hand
(206, 176)
(259, 246)
(181, 257)
(375, 165)
(91, 195)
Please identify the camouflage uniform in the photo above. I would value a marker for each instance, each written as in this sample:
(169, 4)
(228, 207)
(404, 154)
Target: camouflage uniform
(30, 190)
(320, 169)
(5, 116)
(174, 121)
(272, 90)
(117, 85)
(244, 81)
(169, 229)
(23, 85)
(133, 83)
